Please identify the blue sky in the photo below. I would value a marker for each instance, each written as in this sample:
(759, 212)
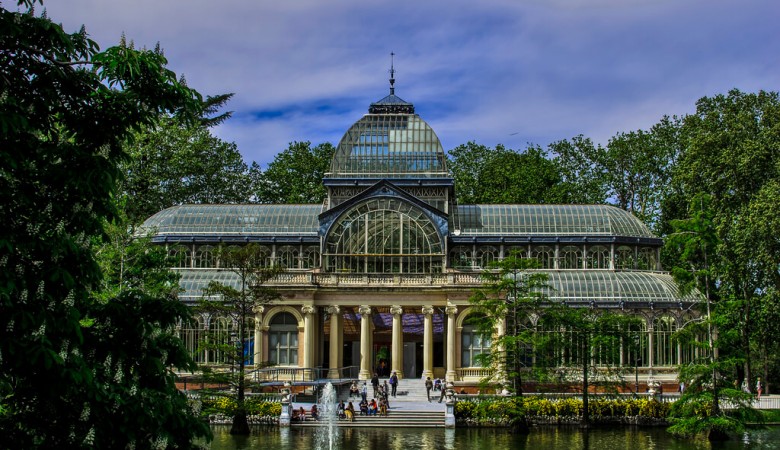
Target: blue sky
(494, 71)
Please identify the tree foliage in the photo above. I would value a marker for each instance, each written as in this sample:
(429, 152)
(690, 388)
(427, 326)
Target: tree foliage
(731, 156)
(239, 303)
(172, 163)
(294, 176)
(77, 371)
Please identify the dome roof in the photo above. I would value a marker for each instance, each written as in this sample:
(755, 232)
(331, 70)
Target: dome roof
(391, 141)
(389, 145)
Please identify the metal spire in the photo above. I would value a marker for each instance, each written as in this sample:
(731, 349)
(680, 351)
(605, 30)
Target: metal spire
(392, 75)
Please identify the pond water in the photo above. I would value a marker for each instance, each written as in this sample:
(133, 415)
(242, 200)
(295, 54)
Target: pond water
(487, 439)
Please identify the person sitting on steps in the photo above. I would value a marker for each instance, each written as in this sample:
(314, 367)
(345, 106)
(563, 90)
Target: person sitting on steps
(363, 408)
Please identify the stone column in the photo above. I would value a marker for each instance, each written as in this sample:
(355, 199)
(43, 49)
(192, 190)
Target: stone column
(501, 375)
(428, 342)
(308, 339)
(335, 342)
(365, 342)
(258, 310)
(397, 353)
(451, 311)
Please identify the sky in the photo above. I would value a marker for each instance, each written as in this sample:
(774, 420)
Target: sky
(511, 72)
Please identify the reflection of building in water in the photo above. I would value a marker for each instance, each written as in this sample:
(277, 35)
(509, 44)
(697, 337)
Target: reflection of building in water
(384, 267)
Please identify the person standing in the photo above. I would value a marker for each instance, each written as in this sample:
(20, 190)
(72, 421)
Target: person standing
(443, 391)
(375, 384)
(364, 391)
(759, 387)
(428, 387)
(394, 383)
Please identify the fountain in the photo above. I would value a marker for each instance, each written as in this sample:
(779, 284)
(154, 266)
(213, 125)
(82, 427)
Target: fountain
(328, 432)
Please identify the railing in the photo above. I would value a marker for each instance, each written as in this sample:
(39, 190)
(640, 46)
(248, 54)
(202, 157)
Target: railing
(355, 279)
(301, 374)
(470, 373)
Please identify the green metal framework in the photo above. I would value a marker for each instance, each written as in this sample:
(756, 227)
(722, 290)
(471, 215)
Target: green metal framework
(557, 220)
(384, 235)
(389, 146)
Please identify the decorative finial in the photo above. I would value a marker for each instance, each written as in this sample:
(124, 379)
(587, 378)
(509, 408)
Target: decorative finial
(392, 75)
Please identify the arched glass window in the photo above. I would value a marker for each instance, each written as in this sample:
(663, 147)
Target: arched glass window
(461, 257)
(545, 255)
(695, 348)
(624, 257)
(205, 257)
(646, 259)
(665, 349)
(181, 256)
(635, 346)
(473, 344)
(311, 257)
(486, 254)
(221, 332)
(384, 235)
(598, 257)
(192, 335)
(287, 257)
(283, 340)
(570, 257)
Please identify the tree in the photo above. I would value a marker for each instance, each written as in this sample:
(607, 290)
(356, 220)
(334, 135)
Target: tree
(730, 154)
(239, 302)
(511, 293)
(501, 175)
(173, 163)
(580, 172)
(294, 176)
(65, 111)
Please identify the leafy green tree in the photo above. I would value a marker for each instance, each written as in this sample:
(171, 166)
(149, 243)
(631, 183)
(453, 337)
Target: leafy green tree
(501, 175)
(73, 369)
(511, 293)
(173, 163)
(294, 176)
(584, 179)
(542, 336)
(239, 303)
(730, 153)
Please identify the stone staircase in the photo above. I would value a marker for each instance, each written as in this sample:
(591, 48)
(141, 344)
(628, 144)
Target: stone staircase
(398, 419)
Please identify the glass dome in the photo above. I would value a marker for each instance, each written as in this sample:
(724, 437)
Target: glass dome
(389, 146)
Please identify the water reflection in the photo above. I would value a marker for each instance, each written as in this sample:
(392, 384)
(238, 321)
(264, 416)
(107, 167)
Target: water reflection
(486, 439)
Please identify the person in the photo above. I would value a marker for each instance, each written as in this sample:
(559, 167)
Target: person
(363, 408)
(387, 389)
(314, 412)
(437, 384)
(682, 387)
(443, 393)
(301, 414)
(428, 387)
(745, 386)
(375, 383)
(353, 389)
(364, 391)
(340, 410)
(383, 407)
(372, 408)
(393, 383)
(759, 387)
(350, 412)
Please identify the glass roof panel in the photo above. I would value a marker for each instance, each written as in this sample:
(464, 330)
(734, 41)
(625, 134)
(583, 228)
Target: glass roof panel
(389, 146)
(558, 220)
(609, 286)
(277, 220)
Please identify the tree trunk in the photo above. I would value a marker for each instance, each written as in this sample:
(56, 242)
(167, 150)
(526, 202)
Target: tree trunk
(240, 423)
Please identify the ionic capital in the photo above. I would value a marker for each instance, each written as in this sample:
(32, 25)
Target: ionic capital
(451, 310)
(396, 310)
(427, 310)
(333, 310)
(307, 309)
(364, 310)
(258, 309)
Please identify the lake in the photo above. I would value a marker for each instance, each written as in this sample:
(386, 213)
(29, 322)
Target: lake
(486, 439)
